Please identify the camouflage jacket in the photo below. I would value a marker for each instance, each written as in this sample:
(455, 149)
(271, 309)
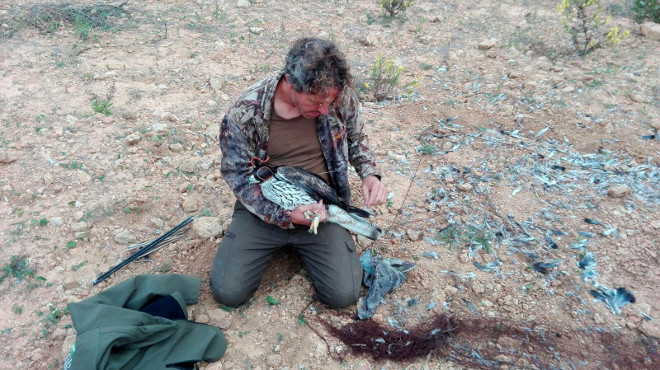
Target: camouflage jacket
(244, 134)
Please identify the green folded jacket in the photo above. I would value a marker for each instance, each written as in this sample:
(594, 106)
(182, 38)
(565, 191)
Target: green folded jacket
(113, 332)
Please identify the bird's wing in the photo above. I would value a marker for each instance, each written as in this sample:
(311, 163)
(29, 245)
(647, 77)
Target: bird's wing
(317, 187)
(311, 183)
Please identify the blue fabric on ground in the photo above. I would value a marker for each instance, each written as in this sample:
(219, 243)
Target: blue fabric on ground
(381, 276)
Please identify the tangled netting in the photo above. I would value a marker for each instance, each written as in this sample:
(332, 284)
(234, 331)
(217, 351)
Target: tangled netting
(489, 343)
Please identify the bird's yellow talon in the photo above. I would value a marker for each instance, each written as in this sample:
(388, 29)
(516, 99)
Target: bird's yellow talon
(313, 228)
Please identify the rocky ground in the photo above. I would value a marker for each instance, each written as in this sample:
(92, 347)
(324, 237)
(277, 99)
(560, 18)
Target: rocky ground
(509, 159)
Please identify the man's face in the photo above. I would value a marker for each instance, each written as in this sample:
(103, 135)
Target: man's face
(313, 105)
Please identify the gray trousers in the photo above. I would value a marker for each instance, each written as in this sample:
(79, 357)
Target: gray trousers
(249, 243)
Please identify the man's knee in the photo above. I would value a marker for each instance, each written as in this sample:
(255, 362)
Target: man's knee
(230, 296)
(339, 300)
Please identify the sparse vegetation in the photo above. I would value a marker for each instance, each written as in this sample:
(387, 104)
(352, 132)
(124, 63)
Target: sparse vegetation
(584, 21)
(18, 268)
(455, 236)
(394, 7)
(646, 9)
(529, 115)
(49, 18)
(102, 107)
(384, 76)
(427, 149)
(16, 309)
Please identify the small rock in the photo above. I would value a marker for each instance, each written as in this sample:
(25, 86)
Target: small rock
(187, 166)
(125, 237)
(6, 157)
(81, 235)
(176, 147)
(132, 139)
(55, 221)
(58, 334)
(274, 360)
(363, 365)
(655, 224)
(71, 120)
(369, 40)
(242, 3)
(189, 205)
(207, 227)
(129, 114)
(214, 366)
(159, 127)
(465, 187)
(493, 53)
(186, 187)
(508, 342)
(362, 241)
(70, 283)
(67, 344)
(655, 124)
(414, 235)
(168, 116)
(212, 131)
(651, 30)
(618, 191)
(220, 318)
(206, 163)
(79, 226)
(225, 225)
(486, 44)
(477, 287)
(638, 98)
(159, 223)
(464, 258)
(650, 328)
(215, 83)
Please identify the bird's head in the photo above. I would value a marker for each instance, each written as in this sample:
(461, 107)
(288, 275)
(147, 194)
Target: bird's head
(260, 174)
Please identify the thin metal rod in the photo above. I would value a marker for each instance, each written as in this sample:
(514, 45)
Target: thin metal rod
(142, 251)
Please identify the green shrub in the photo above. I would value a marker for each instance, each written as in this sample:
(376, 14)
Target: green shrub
(384, 77)
(17, 267)
(101, 107)
(50, 17)
(394, 7)
(427, 149)
(82, 26)
(646, 9)
(584, 21)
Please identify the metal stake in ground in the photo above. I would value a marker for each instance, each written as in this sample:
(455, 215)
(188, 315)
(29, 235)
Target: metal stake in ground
(143, 251)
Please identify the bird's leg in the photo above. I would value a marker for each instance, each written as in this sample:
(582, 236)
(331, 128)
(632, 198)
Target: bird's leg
(315, 219)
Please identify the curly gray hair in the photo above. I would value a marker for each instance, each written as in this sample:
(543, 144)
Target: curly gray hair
(316, 65)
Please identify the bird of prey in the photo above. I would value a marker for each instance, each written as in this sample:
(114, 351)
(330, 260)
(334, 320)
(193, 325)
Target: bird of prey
(290, 187)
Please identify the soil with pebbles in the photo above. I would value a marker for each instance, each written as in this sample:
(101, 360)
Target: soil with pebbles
(498, 94)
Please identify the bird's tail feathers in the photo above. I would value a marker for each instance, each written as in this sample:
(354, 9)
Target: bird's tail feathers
(354, 223)
(360, 212)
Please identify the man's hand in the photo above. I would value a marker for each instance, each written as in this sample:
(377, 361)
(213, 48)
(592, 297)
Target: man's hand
(373, 191)
(298, 214)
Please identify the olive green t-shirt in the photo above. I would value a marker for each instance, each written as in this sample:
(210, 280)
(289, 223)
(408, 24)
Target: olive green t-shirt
(295, 142)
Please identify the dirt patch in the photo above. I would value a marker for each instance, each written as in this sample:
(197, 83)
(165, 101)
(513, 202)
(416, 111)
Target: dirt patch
(493, 161)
